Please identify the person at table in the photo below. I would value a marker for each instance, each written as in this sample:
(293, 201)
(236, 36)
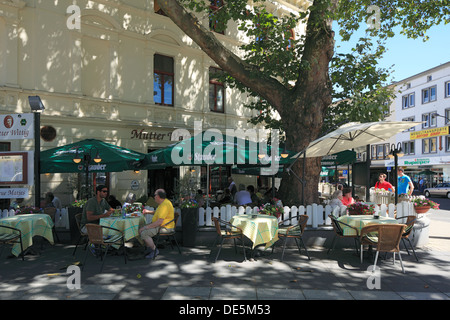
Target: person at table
(383, 184)
(226, 197)
(161, 216)
(336, 199)
(242, 197)
(96, 208)
(232, 187)
(253, 196)
(404, 184)
(113, 202)
(347, 198)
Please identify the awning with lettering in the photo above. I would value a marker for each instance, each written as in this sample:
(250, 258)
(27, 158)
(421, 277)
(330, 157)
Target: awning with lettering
(340, 158)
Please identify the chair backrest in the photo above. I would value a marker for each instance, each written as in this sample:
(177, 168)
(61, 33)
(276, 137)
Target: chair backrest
(217, 225)
(389, 236)
(78, 221)
(302, 222)
(410, 220)
(51, 212)
(337, 228)
(95, 233)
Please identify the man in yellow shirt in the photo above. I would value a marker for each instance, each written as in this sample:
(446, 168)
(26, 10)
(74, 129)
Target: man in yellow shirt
(161, 216)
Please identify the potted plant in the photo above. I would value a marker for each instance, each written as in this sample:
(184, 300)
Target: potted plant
(422, 205)
(359, 208)
(275, 210)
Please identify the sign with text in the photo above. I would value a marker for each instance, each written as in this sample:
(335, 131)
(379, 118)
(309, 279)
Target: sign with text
(10, 193)
(13, 168)
(17, 126)
(429, 133)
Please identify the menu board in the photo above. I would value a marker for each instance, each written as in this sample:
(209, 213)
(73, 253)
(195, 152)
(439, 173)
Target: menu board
(13, 168)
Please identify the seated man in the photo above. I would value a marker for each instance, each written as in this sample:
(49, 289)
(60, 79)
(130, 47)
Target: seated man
(96, 208)
(162, 215)
(347, 198)
(242, 197)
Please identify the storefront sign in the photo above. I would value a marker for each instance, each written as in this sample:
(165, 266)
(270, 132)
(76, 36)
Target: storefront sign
(429, 133)
(13, 193)
(16, 126)
(145, 134)
(432, 161)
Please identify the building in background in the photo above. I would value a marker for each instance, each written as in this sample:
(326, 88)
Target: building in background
(118, 71)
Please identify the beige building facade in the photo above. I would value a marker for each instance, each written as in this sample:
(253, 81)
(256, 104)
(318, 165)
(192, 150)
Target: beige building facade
(93, 66)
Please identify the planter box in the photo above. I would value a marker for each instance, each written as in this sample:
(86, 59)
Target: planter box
(189, 226)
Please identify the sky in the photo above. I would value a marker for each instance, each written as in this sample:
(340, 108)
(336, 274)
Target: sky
(412, 56)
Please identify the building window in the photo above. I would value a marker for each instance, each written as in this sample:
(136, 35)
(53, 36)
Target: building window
(429, 94)
(163, 85)
(408, 101)
(380, 151)
(429, 145)
(430, 120)
(216, 91)
(409, 147)
(214, 24)
(413, 118)
(447, 143)
(429, 78)
(447, 89)
(158, 9)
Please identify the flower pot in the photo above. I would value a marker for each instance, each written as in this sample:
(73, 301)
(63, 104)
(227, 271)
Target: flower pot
(423, 209)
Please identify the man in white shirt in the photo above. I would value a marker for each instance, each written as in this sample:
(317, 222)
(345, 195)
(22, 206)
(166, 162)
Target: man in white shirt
(242, 197)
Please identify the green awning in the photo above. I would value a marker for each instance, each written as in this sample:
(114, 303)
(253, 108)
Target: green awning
(340, 158)
(114, 158)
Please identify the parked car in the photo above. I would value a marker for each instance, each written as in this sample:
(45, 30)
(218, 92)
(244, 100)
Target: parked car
(441, 189)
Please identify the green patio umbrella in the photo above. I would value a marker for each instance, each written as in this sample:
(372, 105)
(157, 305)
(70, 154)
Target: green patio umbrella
(213, 148)
(427, 172)
(113, 158)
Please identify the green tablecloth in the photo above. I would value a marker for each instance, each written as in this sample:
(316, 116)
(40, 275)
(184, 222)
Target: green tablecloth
(360, 221)
(30, 225)
(129, 226)
(260, 230)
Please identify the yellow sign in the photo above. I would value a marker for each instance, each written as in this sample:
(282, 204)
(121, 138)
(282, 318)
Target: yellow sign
(429, 133)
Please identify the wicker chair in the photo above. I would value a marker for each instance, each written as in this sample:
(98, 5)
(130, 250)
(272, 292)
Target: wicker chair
(231, 232)
(83, 235)
(410, 220)
(384, 237)
(339, 233)
(8, 238)
(96, 238)
(293, 232)
(168, 234)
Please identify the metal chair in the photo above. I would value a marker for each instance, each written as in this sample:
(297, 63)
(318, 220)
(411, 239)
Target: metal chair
(339, 233)
(14, 237)
(96, 238)
(82, 234)
(293, 232)
(168, 234)
(384, 237)
(231, 232)
(410, 220)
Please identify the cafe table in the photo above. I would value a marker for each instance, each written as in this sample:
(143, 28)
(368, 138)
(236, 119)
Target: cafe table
(30, 225)
(360, 221)
(259, 228)
(129, 225)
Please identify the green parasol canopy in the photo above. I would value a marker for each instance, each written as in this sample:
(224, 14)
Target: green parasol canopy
(214, 148)
(340, 158)
(113, 158)
(427, 172)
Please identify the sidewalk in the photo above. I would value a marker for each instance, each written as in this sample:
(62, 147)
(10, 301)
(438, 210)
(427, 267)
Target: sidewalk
(193, 275)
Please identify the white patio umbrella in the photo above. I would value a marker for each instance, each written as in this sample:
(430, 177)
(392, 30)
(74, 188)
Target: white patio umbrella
(348, 136)
(353, 135)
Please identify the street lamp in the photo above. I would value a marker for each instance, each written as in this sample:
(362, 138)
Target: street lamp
(87, 157)
(396, 151)
(37, 107)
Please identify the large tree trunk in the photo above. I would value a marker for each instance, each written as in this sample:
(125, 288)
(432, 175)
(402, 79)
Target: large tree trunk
(301, 108)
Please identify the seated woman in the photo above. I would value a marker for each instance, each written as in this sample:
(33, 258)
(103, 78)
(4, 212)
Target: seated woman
(336, 199)
(347, 197)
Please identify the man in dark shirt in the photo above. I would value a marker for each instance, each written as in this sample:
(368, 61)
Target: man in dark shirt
(96, 208)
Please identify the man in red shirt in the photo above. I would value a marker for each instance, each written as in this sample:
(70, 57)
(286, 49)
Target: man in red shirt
(347, 198)
(383, 184)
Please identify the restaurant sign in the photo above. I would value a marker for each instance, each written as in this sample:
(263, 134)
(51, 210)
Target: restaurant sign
(16, 126)
(429, 133)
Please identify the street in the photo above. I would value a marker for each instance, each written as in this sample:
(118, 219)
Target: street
(444, 213)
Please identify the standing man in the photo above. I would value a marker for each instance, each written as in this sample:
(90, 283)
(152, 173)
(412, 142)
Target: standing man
(96, 208)
(404, 184)
(162, 215)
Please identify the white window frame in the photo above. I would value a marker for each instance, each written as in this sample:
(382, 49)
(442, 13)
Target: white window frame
(427, 92)
(430, 119)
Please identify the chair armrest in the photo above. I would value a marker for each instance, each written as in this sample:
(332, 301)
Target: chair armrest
(12, 228)
(114, 229)
(229, 225)
(368, 229)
